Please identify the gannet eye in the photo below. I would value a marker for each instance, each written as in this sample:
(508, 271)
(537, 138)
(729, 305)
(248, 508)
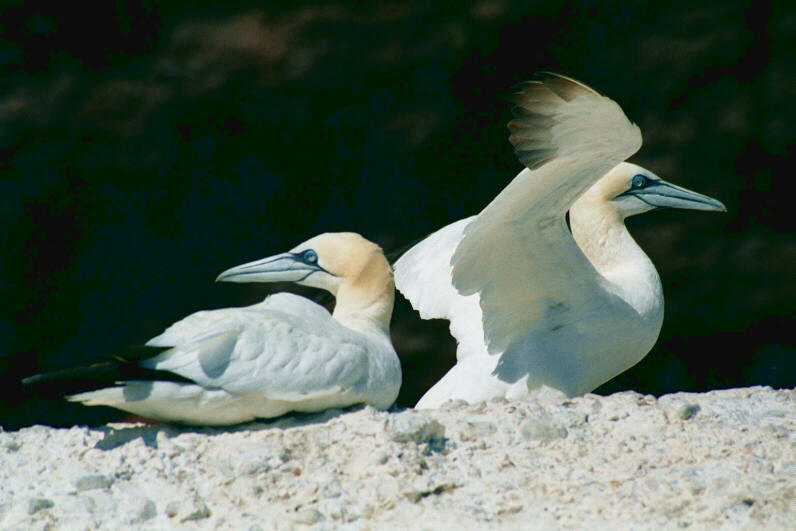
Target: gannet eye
(639, 181)
(310, 256)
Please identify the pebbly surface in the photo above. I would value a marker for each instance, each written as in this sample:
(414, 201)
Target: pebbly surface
(722, 459)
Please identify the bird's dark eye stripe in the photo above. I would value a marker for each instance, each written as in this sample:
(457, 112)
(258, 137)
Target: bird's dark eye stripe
(639, 181)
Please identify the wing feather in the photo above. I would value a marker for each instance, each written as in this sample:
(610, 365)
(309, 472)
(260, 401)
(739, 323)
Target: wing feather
(518, 253)
(423, 273)
(280, 349)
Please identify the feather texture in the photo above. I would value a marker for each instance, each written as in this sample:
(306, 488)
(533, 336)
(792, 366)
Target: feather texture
(285, 353)
(526, 305)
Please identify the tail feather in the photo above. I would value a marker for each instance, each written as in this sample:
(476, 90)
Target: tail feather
(122, 367)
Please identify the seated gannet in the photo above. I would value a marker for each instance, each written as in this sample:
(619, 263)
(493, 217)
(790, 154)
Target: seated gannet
(530, 302)
(284, 354)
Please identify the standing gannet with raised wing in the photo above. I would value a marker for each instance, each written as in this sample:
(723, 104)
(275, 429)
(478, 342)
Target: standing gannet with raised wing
(284, 354)
(530, 302)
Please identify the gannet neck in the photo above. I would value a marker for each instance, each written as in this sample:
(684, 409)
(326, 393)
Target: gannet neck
(365, 297)
(599, 230)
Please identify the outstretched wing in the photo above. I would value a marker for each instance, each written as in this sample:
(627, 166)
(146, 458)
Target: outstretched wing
(518, 254)
(285, 348)
(423, 273)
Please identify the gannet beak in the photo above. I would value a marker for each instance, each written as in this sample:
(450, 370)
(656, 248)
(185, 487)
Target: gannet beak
(660, 194)
(285, 267)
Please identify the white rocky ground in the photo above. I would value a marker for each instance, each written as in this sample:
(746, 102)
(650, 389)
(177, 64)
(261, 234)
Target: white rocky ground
(722, 459)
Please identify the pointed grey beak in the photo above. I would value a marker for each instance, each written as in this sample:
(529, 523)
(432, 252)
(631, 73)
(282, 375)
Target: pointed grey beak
(285, 267)
(660, 194)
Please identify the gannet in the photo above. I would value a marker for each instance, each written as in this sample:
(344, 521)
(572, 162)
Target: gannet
(284, 354)
(530, 302)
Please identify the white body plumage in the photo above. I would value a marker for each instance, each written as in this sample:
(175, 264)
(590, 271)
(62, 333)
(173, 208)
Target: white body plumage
(283, 354)
(530, 302)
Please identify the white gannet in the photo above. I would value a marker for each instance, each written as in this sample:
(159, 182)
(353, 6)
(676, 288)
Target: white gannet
(284, 354)
(530, 302)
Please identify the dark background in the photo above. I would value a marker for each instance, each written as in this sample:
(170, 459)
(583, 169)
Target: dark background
(145, 147)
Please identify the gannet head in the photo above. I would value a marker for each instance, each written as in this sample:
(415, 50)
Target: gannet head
(327, 261)
(345, 264)
(632, 190)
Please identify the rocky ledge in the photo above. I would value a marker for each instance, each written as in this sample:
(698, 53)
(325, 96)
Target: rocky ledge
(719, 459)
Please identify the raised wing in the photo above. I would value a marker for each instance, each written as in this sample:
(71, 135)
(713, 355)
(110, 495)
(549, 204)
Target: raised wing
(423, 273)
(518, 254)
(284, 348)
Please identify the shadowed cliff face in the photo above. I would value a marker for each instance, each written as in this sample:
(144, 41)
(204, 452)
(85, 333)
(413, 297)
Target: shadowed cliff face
(147, 148)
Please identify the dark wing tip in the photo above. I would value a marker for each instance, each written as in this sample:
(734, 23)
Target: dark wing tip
(536, 103)
(122, 366)
(565, 86)
(544, 81)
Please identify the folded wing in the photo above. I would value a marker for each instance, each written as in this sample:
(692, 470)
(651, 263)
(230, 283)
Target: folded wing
(284, 348)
